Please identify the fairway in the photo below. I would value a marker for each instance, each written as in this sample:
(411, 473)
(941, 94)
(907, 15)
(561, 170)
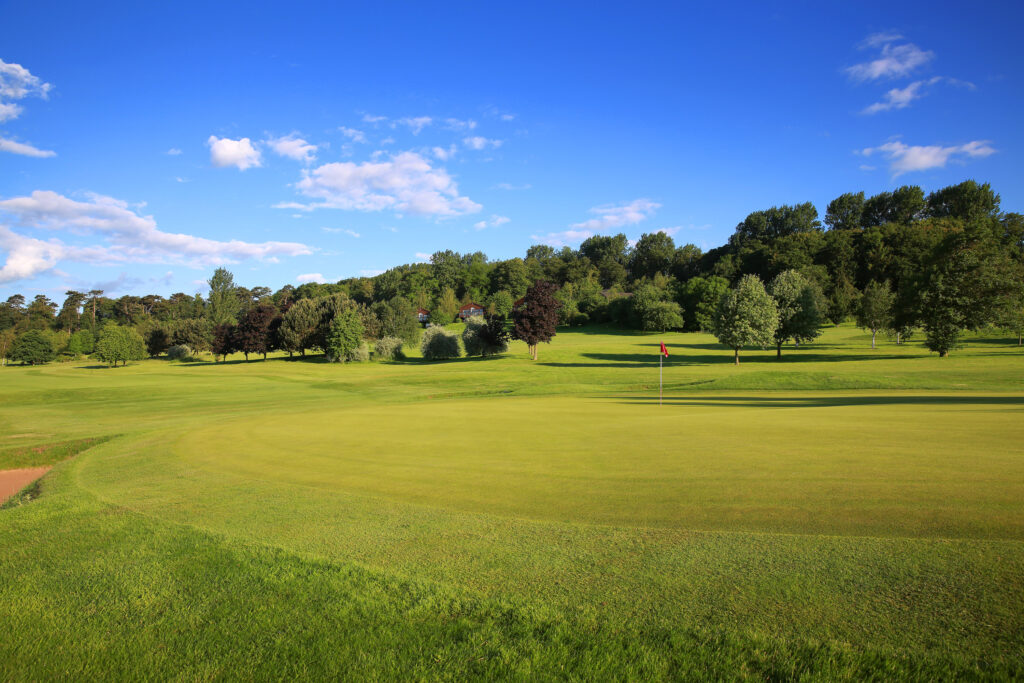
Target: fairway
(839, 513)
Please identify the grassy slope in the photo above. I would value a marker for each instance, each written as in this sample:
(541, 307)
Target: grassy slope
(770, 533)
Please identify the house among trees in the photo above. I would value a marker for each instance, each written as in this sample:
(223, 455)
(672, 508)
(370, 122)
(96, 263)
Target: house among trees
(422, 314)
(470, 309)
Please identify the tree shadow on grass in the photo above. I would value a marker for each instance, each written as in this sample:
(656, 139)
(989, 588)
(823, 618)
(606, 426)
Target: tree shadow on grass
(724, 357)
(820, 401)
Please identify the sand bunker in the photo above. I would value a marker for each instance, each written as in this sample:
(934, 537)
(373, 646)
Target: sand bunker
(12, 481)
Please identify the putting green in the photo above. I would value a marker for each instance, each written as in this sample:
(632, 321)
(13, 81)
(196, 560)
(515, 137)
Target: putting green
(884, 465)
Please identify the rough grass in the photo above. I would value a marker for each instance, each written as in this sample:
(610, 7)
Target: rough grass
(840, 514)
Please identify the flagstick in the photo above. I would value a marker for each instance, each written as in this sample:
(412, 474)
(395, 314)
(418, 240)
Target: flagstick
(661, 374)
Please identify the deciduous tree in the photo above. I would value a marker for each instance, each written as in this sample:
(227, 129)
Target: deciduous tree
(535, 321)
(746, 315)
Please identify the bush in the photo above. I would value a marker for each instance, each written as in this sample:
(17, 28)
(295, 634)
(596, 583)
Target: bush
(117, 343)
(81, 342)
(484, 337)
(359, 354)
(388, 348)
(439, 344)
(179, 352)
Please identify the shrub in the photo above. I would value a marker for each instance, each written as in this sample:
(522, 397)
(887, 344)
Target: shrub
(117, 343)
(359, 354)
(439, 344)
(388, 348)
(485, 337)
(81, 342)
(179, 352)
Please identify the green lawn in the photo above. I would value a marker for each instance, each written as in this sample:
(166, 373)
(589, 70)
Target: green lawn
(841, 513)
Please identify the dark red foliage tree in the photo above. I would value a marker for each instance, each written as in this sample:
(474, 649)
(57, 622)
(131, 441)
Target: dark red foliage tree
(253, 333)
(223, 341)
(535, 320)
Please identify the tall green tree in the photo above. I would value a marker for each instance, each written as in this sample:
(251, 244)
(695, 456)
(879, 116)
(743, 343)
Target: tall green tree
(33, 347)
(845, 211)
(223, 298)
(875, 312)
(801, 309)
(119, 343)
(298, 326)
(346, 335)
(746, 315)
(654, 253)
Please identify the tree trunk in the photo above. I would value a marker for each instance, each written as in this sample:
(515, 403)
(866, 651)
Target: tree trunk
(1019, 335)
(246, 356)
(778, 350)
(873, 333)
(736, 356)
(943, 354)
(264, 355)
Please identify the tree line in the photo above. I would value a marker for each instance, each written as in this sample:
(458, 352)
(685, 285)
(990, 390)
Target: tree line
(899, 261)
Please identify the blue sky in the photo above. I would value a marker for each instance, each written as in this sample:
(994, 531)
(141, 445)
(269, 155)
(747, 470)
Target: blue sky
(141, 145)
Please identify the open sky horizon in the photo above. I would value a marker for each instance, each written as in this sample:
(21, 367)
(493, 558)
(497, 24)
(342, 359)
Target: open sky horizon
(142, 145)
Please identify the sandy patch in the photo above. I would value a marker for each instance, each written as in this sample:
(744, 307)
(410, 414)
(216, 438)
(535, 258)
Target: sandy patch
(12, 481)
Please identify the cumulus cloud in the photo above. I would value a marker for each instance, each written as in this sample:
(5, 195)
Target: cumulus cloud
(905, 158)
(125, 237)
(227, 152)
(174, 151)
(616, 216)
(292, 147)
(353, 134)
(564, 238)
(405, 183)
(24, 149)
(670, 231)
(416, 123)
(310, 277)
(422, 257)
(17, 83)
(459, 125)
(893, 60)
(493, 222)
(444, 154)
(478, 143)
(370, 118)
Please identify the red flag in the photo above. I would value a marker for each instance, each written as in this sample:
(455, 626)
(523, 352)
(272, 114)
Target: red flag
(664, 351)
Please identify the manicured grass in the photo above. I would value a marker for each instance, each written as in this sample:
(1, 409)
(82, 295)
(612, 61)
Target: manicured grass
(843, 513)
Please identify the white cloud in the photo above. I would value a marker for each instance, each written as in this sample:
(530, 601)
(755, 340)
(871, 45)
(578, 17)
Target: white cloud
(459, 125)
(388, 141)
(444, 154)
(612, 216)
(293, 147)
(24, 149)
(564, 238)
(478, 143)
(126, 237)
(900, 98)
(353, 134)
(406, 183)
(422, 257)
(370, 272)
(310, 277)
(893, 61)
(228, 152)
(905, 158)
(416, 123)
(353, 233)
(511, 187)
(493, 222)
(17, 83)
(881, 38)
(180, 179)
(173, 151)
(370, 118)
(508, 117)
(9, 111)
(670, 231)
